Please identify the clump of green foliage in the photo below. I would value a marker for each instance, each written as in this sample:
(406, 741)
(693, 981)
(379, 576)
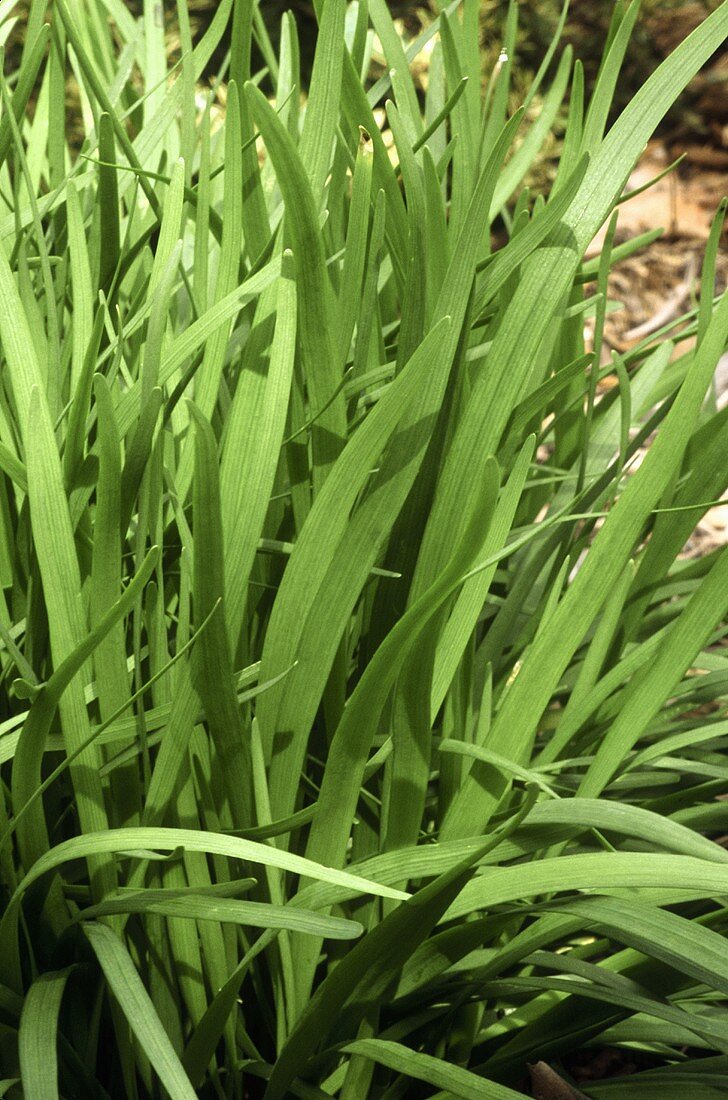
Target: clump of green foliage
(361, 724)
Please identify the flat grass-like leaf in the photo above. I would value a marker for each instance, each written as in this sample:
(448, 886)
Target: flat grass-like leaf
(250, 455)
(145, 839)
(207, 379)
(434, 1071)
(672, 874)
(517, 166)
(356, 242)
(23, 368)
(316, 304)
(322, 107)
(470, 600)
(225, 910)
(37, 1036)
(81, 275)
(212, 667)
(396, 62)
(596, 116)
(134, 1001)
(61, 580)
(409, 766)
(112, 677)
